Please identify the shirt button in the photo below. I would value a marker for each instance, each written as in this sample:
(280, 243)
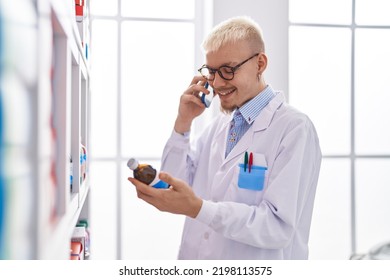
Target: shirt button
(206, 235)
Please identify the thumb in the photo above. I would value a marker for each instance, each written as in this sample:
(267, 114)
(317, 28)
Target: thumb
(169, 179)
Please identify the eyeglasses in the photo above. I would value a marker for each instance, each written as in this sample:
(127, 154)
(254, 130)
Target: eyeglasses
(225, 72)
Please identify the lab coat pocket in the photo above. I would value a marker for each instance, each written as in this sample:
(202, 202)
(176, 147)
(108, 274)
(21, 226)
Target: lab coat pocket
(242, 195)
(253, 179)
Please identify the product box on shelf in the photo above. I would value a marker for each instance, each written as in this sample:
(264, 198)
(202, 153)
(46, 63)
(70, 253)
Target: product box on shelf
(78, 237)
(76, 250)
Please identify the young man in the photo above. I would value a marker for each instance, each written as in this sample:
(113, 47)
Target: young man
(248, 187)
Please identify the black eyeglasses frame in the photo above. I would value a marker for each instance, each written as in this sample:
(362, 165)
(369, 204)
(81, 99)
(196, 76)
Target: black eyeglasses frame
(232, 69)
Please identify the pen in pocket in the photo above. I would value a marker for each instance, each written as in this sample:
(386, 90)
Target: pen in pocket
(250, 162)
(245, 161)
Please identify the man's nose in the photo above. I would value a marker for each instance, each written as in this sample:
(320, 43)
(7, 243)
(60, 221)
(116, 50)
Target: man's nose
(218, 81)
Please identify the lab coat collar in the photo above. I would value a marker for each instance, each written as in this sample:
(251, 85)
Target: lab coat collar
(264, 119)
(262, 122)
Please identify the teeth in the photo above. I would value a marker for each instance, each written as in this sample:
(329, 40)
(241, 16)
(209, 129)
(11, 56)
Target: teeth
(226, 93)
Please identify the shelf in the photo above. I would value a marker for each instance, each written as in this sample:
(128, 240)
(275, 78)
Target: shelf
(57, 244)
(48, 91)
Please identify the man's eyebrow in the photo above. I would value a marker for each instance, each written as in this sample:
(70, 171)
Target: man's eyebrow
(224, 64)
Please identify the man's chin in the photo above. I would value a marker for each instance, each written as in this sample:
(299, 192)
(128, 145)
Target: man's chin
(227, 110)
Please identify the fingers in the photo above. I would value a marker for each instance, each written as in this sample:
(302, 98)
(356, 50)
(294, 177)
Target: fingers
(197, 86)
(142, 188)
(152, 192)
(197, 79)
(191, 104)
(145, 192)
(201, 89)
(178, 199)
(172, 181)
(192, 98)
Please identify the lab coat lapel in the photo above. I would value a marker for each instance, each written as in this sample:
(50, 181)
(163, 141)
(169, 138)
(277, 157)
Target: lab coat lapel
(241, 146)
(220, 137)
(262, 122)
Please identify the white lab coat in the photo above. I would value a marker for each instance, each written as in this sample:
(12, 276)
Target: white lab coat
(236, 223)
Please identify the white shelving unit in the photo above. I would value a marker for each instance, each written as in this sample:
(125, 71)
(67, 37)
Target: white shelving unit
(70, 88)
(59, 115)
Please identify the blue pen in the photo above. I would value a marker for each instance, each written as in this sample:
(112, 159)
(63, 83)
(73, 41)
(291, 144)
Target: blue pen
(207, 98)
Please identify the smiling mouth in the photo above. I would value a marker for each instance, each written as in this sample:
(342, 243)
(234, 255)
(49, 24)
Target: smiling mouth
(226, 93)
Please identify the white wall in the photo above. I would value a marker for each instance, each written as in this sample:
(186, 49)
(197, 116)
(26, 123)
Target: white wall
(273, 19)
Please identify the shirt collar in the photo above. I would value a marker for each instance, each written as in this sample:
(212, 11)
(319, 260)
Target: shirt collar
(251, 109)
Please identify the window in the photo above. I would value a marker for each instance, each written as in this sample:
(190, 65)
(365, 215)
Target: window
(141, 61)
(338, 68)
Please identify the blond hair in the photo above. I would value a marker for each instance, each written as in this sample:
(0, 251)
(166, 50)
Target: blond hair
(241, 28)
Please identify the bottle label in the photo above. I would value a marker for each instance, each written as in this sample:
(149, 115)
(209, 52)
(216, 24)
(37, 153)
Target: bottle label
(157, 183)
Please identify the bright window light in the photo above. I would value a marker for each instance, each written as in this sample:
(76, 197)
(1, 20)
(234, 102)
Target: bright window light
(157, 65)
(320, 82)
(104, 7)
(373, 12)
(177, 9)
(104, 88)
(372, 91)
(321, 11)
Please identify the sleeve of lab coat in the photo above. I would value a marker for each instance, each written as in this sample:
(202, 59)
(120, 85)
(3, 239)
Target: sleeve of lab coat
(180, 156)
(176, 158)
(288, 198)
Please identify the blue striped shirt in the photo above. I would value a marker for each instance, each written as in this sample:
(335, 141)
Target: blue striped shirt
(244, 116)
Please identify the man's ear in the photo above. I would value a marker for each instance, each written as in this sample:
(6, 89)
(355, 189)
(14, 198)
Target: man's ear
(262, 62)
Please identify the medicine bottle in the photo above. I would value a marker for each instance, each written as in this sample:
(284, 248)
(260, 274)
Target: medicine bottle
(146, 174)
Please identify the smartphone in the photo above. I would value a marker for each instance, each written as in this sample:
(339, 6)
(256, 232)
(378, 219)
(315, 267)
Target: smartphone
(207, 98)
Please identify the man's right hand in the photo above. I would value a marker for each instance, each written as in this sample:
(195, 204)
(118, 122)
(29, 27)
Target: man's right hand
(191, 105)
